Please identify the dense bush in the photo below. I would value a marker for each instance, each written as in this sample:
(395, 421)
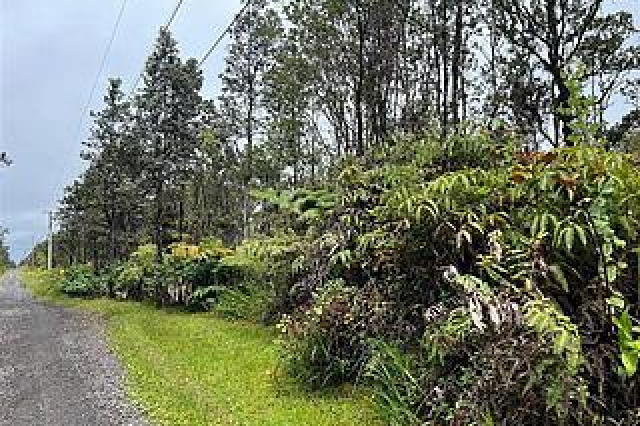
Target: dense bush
(468, 283)
(508, 283)
(271, 268)
(80, 281)
(133, 278)
(209, 276)
(325, 343)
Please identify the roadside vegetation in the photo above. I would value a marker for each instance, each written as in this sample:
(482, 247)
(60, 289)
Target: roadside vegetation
(462, 283)
(199, 369)
(454, 230)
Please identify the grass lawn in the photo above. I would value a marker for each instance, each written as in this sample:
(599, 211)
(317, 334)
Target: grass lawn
(196, 369)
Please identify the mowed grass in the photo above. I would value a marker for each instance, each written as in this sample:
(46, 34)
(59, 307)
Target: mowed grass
(196, 369)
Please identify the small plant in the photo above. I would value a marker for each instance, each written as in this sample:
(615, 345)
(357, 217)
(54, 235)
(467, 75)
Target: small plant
(81, 282)
(398, 388)
(325, 344)
(628, 336)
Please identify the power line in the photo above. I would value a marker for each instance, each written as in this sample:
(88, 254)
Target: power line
(211, 49)
(219, 39)
(173, 15)
(103, 62)
(166, 26)
(96, 80)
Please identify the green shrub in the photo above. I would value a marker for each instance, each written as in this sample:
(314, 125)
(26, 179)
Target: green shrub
(204, 298)
(127, 279)
(249, 301)
(474, 368)
(399, 394)
(213, 279)
(555, 234)
(325, 344)
(82, 282)
(273, 267)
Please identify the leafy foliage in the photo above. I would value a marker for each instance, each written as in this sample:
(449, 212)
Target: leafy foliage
(5, 261)
(81, 282)
(324, 344)
(493, 278)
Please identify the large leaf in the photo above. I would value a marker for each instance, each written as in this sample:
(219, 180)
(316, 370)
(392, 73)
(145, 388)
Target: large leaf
(630, 362)
(558, 276)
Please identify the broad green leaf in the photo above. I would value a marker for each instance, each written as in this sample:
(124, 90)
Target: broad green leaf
(625, 321)
(612, 272)
(559, 277)
(582, 235)
(560, 342)
(568, 238)
(616, 301)
(630, 362)
(607, 250)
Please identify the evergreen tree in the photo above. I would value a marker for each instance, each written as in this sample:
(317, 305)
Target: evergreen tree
(114, 157)
(253, 38)
(5, 260)
(168, 107)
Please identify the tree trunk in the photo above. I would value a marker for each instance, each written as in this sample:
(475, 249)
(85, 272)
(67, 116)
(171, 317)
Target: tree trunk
(564, 115)
(445, 70)
(360, 87)
(249, 159)
(456, 65)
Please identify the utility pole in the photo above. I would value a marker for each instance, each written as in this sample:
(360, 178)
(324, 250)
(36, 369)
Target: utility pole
(32, 257)
(50, 245)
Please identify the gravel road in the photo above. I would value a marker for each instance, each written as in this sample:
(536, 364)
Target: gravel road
(54, 366)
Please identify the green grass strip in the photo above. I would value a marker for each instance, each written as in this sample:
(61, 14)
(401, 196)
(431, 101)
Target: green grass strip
(196, 369)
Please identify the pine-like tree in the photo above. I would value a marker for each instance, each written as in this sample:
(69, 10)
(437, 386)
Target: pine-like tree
(167, 113)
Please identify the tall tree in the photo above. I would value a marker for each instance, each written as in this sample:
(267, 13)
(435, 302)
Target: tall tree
(114, 157)
(559, 35)
(168, 107)
(254, 35)
(5, 260)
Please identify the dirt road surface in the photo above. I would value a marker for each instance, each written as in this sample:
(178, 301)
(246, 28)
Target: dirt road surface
(55, 368)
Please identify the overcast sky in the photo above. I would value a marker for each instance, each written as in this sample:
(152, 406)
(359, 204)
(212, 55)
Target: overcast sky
(50, 51)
